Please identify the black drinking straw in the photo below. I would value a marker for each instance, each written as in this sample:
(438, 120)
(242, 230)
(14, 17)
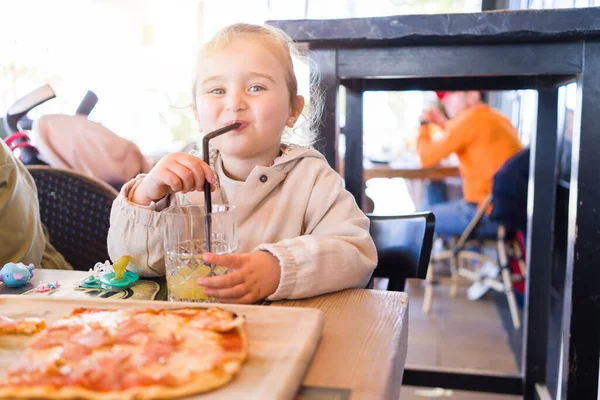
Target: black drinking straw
(205, 156)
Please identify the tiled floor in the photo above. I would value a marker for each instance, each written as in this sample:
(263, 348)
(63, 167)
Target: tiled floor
(414, 393)
(458, 333)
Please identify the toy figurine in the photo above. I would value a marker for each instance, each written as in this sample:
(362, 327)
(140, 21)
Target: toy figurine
(16, 274)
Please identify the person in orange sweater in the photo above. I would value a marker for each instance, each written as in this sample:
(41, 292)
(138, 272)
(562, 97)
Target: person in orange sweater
(482, 138)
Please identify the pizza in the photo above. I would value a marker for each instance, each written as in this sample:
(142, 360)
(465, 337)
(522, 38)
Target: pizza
(130, 354)
(26, 326)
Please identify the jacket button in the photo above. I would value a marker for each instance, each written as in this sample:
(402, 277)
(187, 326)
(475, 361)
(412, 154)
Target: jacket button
(263, 178)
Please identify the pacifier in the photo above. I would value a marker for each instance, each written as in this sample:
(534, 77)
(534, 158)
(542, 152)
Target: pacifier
(113, 276)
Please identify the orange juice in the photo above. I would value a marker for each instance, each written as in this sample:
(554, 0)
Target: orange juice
(183, 270)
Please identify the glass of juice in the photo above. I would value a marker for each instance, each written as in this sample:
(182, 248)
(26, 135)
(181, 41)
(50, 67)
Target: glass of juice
(186, 229)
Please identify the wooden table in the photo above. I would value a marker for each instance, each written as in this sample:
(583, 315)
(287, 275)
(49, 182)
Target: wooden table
(401, 169)
(364, 342)
(404, 170)
(362, 349)
(436, 173)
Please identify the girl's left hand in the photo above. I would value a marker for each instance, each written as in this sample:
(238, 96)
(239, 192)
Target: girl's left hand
(255, 276)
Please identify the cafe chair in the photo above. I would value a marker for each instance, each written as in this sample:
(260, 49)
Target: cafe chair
(403, 245)
(76, 210)
(509, 212)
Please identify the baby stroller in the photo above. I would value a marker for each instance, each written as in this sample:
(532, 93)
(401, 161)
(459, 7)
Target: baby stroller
(71, 141)
(16, 123)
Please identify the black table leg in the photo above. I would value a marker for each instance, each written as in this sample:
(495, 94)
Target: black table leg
(326, 63)
(540, 240)
(581, 307)
(353, 130)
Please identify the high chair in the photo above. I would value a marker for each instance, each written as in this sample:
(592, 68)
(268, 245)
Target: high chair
(76, 210)
(403, 245)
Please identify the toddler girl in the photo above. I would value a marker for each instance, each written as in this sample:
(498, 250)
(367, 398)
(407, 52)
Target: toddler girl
(300, 232)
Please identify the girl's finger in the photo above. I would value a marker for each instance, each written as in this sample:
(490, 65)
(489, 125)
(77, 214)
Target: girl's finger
(196, 173)
(222, 281)
(235, 292)
(199, 167)
(248, 298)
(185, 175)
(233, 261)
(170, 179)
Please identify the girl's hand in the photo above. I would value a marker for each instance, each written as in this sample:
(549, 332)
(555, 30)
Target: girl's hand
(177, 172)
(255, 276)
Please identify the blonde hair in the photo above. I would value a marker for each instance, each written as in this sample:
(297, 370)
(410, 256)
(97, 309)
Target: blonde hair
(286, 51)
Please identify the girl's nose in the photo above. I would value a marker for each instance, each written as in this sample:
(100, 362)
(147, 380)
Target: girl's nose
(235, 102)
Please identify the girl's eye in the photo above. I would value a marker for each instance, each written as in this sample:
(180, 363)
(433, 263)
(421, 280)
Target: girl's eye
(217, 91)
(256, 88)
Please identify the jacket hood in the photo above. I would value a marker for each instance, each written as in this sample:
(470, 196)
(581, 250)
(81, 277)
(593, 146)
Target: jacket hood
(291, 154)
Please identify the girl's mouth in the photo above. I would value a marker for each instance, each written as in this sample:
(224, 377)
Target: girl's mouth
(243, 124)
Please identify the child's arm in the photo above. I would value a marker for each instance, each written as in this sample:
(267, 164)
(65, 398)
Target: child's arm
(135, 218)
(336, 252)
(135, 231)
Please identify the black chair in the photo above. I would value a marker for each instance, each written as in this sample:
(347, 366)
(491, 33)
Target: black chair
(76, 210)
(509, 214)
(403, 245)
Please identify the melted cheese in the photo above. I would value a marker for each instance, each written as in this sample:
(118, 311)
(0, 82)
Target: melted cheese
(113, 350)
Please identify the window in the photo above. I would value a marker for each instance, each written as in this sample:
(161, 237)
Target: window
(138, 55)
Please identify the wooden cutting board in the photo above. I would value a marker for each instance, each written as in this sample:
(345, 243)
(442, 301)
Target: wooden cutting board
(282, 341)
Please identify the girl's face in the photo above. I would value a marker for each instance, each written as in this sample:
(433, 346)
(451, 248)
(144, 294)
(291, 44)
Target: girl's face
(244, 83)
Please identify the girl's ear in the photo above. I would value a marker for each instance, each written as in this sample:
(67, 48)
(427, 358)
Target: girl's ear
(295, 111)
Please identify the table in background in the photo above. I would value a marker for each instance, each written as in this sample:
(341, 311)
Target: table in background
(411, 171)
(399, 169)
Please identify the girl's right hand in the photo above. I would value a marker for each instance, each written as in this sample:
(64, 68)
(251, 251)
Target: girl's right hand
(176, 172)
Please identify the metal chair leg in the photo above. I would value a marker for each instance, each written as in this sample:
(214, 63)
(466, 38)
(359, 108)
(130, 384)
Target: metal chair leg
(428, 295)
(396, 285)
(519, 256)
(507, 278)
(510, 297)
(454, 267)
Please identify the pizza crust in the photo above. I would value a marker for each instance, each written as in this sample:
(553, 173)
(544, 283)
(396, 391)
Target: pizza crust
(26, 326)
(203, 382)
(209, 381)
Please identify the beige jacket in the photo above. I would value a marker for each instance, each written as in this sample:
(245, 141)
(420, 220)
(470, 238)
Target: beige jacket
(296, 209)
(21, 232)
(23, 237)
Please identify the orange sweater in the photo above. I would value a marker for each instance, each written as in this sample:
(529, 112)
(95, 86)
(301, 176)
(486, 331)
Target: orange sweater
(482, 138)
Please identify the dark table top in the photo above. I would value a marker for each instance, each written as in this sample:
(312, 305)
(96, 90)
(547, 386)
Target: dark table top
(483, 27)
